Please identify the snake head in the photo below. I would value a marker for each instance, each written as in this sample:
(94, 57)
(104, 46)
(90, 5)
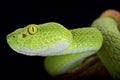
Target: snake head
(44, 39)
(21, 38)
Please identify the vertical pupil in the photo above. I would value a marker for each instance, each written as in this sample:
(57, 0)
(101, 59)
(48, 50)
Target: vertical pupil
(32, 29)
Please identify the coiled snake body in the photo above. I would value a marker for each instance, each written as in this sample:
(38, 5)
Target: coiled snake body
(65, 48)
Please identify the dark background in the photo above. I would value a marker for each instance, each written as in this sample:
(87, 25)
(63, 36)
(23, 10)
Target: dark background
(19, 14)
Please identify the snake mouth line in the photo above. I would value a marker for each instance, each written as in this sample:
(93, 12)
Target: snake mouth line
(8, 41)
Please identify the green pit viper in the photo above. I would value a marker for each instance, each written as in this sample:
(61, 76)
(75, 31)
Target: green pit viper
(66, 49)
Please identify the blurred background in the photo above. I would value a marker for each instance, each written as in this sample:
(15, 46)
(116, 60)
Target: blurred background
(17, 14)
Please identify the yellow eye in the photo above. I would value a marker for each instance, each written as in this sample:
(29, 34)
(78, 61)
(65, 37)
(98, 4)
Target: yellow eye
(32, 29)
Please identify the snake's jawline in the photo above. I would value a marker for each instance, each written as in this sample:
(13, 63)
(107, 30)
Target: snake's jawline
(83, 71)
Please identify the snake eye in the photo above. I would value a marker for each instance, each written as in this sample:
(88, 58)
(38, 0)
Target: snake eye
(32, 29)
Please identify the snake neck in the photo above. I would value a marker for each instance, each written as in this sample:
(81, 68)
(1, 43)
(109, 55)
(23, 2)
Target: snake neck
(85, 40)
(110, 51)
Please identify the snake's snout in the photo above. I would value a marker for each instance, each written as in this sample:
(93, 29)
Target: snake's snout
(12, 41)
(8, 38)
